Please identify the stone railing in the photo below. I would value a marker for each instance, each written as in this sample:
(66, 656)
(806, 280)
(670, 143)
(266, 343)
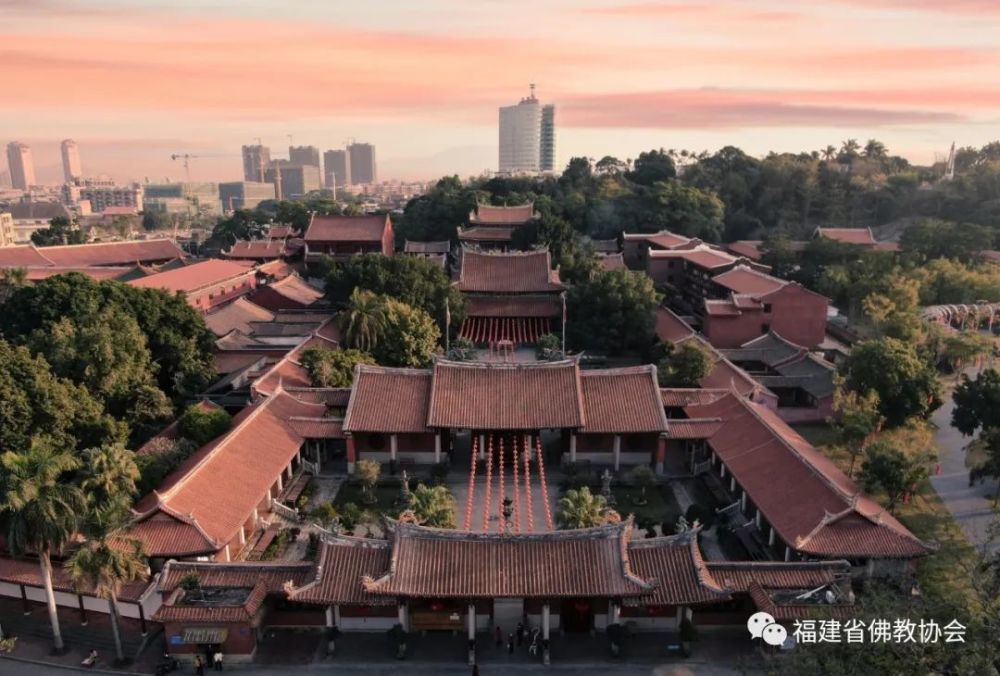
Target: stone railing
(310, 467)
(282, 510)
(701, 467)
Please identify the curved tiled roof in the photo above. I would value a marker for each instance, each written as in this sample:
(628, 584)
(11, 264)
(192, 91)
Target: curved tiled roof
(437, 563)
(744, 279)
(216, 491)
(503, 215)
(343, 562)
(675, 562)
(497, 396)
(324, 228)
(194, 277)
(236, 316)
(625, 400)
(520, 272)
(388, 400)
(812, 505)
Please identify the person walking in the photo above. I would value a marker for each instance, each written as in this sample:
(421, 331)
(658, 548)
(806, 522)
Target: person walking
(217, 659)
(499, 634)
(199, 665)
(510, 644)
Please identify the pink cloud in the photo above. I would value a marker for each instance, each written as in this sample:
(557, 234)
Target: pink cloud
(692, 11)
(723, 109)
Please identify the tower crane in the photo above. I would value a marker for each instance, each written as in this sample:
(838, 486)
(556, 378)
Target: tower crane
(186, 157)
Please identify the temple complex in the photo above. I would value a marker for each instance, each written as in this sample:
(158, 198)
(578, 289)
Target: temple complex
(492, 227)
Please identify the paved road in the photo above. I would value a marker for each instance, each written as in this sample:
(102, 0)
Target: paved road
(971, 509)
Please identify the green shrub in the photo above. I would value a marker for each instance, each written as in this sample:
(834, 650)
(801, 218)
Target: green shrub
(201, 426)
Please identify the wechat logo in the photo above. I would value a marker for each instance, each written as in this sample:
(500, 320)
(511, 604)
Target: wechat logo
(763, 626)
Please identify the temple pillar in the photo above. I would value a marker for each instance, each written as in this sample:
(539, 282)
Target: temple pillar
(722, 469)
(318, 454)
(25, 605)
(472, 632)
(225, 553)
(142, 619)
(572, 446)
(402, 616)
(393, 447)
(329, 616)
(743, 501)
(437, 448)
(545, 633)
(281, 482)
(757, 519)
(618, 451)
(788, 553)
(614, 613)
(336, 614)
(732, 484)
(661, 453)
(243, 536)
(770, 538)
(298, 457)
(352, 454)
(83, 611)
(482, 446)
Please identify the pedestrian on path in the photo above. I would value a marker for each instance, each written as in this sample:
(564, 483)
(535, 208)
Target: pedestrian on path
(499, 637)
(217, 660)
(510, 644)
(199, 665)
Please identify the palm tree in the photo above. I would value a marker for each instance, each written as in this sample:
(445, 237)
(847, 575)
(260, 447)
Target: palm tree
(848, 151)
(40, 510)
(874, 150)
(363, 320)
(110, 474)
(829, 153)
(106, 562)
(579, 508)
(433, 506)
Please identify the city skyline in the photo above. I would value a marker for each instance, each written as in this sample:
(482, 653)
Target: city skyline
(695, 75)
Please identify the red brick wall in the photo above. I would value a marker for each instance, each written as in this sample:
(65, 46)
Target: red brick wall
(796, 314)
(799, 315)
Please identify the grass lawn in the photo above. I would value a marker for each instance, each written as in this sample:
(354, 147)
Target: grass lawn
(946, 573)
(660, 505)
(817, 434)
(385, 498)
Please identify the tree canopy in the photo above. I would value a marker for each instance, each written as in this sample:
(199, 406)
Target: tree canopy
(906, 385)
(685, 365)
(977, 403)
(332, 368)
(60, 231)
(612, 313)
(409, 279)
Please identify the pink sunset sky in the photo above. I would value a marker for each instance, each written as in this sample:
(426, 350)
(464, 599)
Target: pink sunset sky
(134, 81)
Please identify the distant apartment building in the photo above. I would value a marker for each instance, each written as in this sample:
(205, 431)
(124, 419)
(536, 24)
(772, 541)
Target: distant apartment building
(362, 163)
(6, 229)
(255, 162)
(336, 169)
(22, 168)
(307, 155)
(244, 194)
(292, 180)
(102, 194)
(527, 137)
(30, 217)
(70, 160)
(178, 198)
